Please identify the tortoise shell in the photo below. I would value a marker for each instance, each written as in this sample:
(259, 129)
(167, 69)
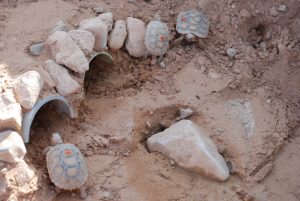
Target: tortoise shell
(66, 166)
(192, 22)
(157, 38)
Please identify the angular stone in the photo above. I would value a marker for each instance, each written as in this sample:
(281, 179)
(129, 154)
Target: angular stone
(84, 39)
(118, 35)
(100, 30)
(12, 148)
(49, 83)
(191, 148)
(7, 98)
(27, 88)
(36, 49)
(23, 174)
(135, 43)
(108, 18)
(64, 83)
(11, 117)
(60, 26)
(66, 52)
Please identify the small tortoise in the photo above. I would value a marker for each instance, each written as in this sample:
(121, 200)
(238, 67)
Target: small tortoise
(157, 38)
(66, 166)
(192, 23)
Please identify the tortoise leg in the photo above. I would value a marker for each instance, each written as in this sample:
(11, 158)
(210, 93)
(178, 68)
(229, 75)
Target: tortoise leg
(83, 193)
(57, 190)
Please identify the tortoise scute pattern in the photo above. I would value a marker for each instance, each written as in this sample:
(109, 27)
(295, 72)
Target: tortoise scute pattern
(66, 166)
(194, 22)
(157, 38)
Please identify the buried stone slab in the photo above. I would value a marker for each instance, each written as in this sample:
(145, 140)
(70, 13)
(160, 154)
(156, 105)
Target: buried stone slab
(189, 146)
(61, 104)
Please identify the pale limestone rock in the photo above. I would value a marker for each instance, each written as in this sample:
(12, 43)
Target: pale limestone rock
(7, 98)
(100, 30)
(11, 117)
(12, 148)
(66, 52)
(190, 147)
(64, 83)
(49, 83)
(108, 18)
(84, 39)
(135, 43)
(118, 35)
(27, 88)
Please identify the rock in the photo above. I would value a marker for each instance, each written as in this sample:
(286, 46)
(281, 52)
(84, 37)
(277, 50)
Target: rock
(64, 83)
(282, 8)
(11, 117)
(162, 64)
(36, 49)
(60, 26)
(273, 12)
(67, 53)
(190, 147)
(83, 39)
(103, 195)
(27, 88)
(118, 35)
(108, 19)
(100, 30)
(135, 43)
(22, 174)
(231, 52)
(184, 113)
(98, 9)
(12, 148)
(49, 83)
(7, 98)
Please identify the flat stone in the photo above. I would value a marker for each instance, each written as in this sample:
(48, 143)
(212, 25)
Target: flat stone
(7, 98)
(11, 117)
(12, 148)
(66, 52)
(191, 148)
(108, 18)
(282, 8)
(37, 49)
(64, 83)
(27, 88)
(84, 39)
(135, 43)
(118, 35)
(100, 30)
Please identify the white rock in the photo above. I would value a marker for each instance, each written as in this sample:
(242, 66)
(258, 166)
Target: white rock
(100, 30)
(27, 88)
(11, 117)
(108, 18)
(49, 83)
(135, 43)
(190, 147)
(60, 26)
(231, 52)
(23, 174)
(282, 8)
(118, 35)
(84, 39)
(7, 98)
(64, 83)
(12, 148)
(67, 53)
(185, 112)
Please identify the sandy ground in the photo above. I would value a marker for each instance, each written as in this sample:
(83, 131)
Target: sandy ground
(250, 105)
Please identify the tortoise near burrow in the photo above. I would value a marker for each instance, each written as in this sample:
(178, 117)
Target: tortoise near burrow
(193, 24)
(66, 166)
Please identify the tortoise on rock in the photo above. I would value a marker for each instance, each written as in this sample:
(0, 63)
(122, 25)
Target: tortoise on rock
(192, 23)
(66, 166)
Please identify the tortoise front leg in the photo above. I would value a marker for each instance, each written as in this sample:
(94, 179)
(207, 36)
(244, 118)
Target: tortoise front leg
(83, 193)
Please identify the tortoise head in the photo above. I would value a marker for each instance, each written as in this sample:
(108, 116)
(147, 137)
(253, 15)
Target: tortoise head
(56, 139)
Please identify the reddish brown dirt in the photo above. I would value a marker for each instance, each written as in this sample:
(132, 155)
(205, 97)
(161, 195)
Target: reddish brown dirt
(132, 99)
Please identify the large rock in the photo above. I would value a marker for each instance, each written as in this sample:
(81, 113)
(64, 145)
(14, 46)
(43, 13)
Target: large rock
(12, 148)
(108, 18)
(100, 30)
(84, 39)
(135, 43)
(190, 147)
(118, 35)
(27, 88)
(64, 83)
(7, 98)
(11, 117)
(67, 53)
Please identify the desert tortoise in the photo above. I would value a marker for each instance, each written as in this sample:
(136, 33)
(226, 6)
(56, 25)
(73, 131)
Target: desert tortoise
(192, 23)
(66, 166)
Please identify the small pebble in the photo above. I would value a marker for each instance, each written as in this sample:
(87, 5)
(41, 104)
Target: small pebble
(282, 8)
(37, 49)
(162, 64)
(231, 52)
(184, 113)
